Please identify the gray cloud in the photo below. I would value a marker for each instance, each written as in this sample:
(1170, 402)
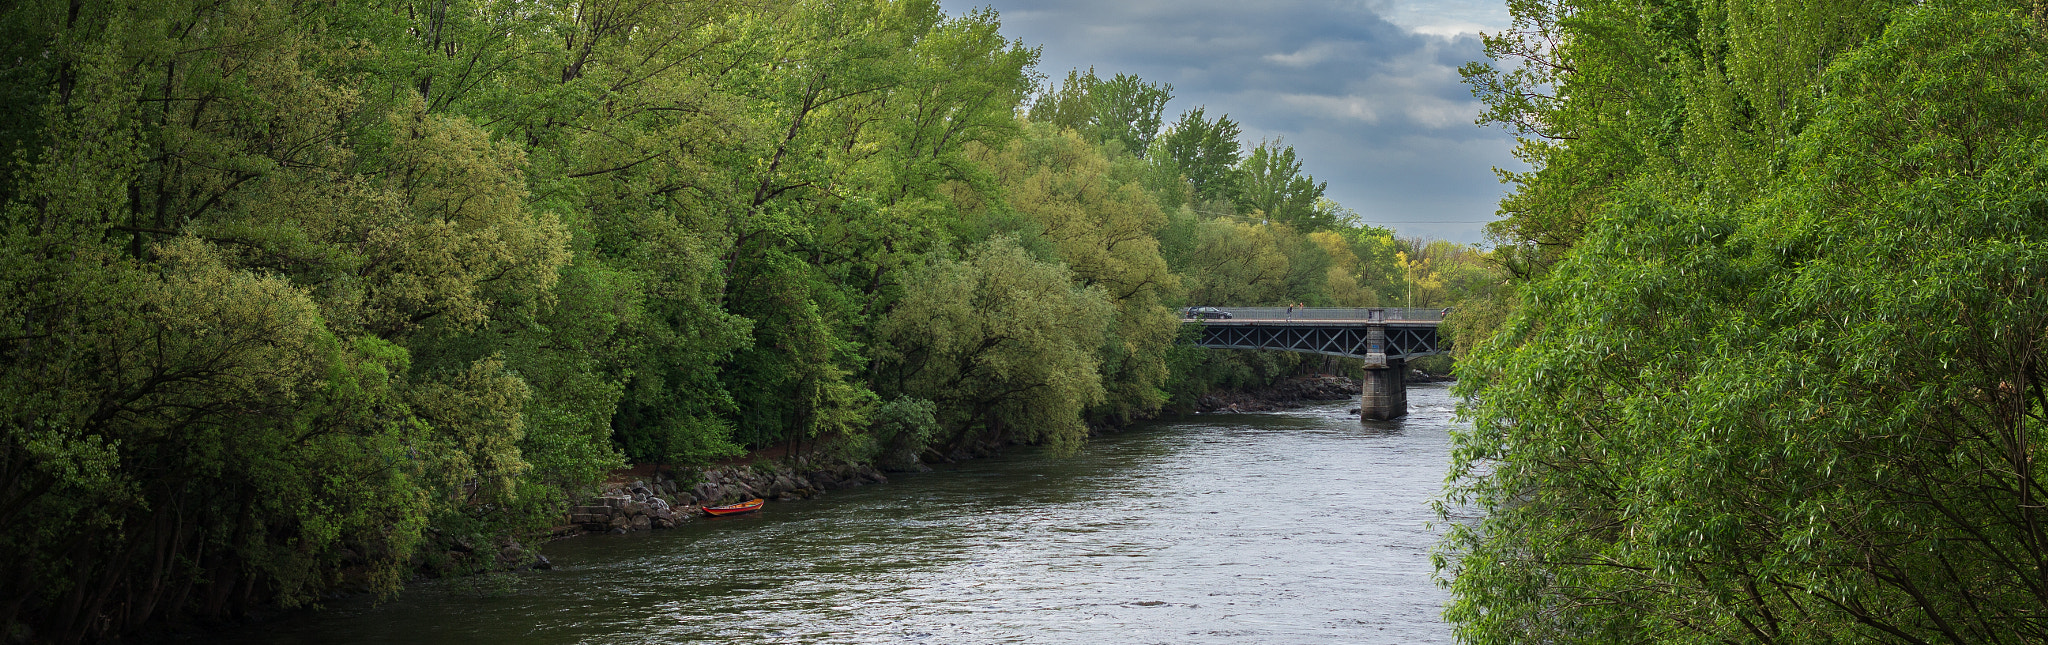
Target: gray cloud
(1375, 108)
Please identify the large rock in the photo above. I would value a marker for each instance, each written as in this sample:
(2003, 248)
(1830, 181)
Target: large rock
(513, 555)
(593, 518)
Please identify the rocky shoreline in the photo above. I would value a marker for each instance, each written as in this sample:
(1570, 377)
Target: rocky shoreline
(649, 498)
(670, 498)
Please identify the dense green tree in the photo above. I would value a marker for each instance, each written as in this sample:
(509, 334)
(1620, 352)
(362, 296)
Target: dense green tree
(1234, 263)
(1106, 232)
(1784, 384)
(869, 127)
(1129, 110)
(222, 250)
(1124, 109)
(1068, 105)
(1201, 152)
(295, 297)
(1355, 265)
(1271, 185)
(1004, 343)
(1606, 105)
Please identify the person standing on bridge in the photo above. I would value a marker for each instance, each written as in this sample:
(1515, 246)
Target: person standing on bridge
(1290, 312)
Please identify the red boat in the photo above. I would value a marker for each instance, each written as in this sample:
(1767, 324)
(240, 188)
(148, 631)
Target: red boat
(748, 506)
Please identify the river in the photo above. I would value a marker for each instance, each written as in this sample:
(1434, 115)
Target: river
(1292, 527)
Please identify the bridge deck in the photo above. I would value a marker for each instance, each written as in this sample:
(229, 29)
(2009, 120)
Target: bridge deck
(1312, 323)
(1329, 314)
(1371, 334)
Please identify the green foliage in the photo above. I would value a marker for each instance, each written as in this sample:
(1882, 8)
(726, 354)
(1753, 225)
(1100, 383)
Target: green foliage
(215, 295)
(1068, 106)
(1784, 384)
(903, 429)
(865, 136)
(1202, 152)
(1129, 111)
(1232, 263)
(300, 296)
(1270, 184)
(1105, 231)
(1125, 109)
(1004, 344)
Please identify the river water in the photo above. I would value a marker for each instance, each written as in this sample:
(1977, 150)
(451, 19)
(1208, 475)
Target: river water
(1292, 527)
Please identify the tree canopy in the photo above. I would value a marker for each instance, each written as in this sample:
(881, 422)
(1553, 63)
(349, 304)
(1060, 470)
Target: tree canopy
(297, 297)
(1775, 374)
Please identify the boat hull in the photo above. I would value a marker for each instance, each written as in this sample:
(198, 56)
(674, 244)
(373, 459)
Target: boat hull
(748, 506)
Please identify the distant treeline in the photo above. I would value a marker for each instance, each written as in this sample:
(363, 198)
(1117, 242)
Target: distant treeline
(1780, 360)
(293, 291)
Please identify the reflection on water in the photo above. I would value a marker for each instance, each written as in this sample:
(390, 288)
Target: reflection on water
(1293, 527)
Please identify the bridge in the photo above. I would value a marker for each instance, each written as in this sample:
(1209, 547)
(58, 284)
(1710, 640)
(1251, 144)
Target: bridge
(1383, 337)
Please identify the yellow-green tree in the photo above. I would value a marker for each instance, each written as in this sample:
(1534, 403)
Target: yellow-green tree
(1235, 263)
(1106, 232)
(1006, 345)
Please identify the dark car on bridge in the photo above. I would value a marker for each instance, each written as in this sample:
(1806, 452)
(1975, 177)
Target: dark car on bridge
(1205, 313)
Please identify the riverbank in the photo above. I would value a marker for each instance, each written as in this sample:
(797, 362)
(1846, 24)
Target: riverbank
(1135, 538)
(650, 500)
(661, 498)
(650, 497)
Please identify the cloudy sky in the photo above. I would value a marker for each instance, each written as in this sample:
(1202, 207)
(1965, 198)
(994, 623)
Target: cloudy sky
(1367, 91)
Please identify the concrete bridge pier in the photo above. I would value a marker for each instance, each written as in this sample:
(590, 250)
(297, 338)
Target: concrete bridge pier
(1384, 337)
(1383, 394)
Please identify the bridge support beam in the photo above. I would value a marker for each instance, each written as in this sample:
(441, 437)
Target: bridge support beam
(1383, 395)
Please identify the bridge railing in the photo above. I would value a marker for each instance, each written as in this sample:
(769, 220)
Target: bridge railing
(1393, 314)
